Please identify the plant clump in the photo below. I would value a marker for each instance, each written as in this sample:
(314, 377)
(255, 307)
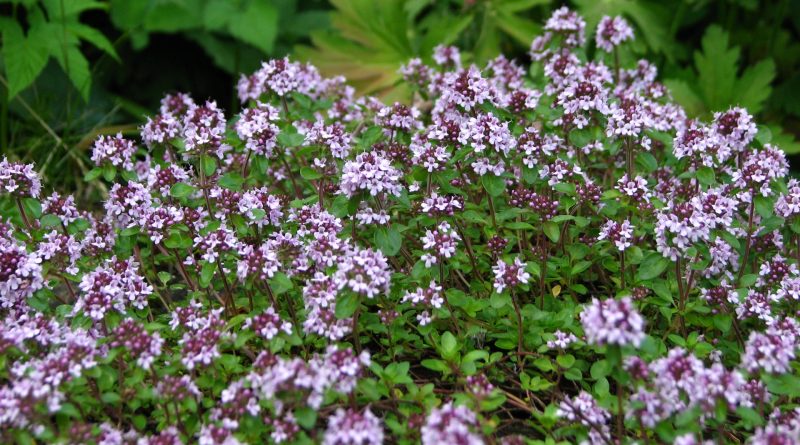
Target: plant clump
(514, 257)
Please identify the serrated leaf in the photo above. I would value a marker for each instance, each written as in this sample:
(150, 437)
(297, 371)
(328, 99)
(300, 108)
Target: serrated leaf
(94, 37)
(716, 67)
(754, 87)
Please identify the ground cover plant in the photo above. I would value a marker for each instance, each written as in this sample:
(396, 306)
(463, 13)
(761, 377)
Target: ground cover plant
(558, 255)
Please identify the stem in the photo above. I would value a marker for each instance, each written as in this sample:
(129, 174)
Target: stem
(205, 189)
(681, 296)
(491, 209)
(356, 340)
(622, 266)
(297, 193)
(24, 215)
(748, 242)
(519, 329)
(620, 414)
(231, 302)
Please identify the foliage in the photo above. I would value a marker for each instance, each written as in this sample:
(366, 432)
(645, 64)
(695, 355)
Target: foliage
(519, 256)
(54, 30)
(45, 122)
(236, 34)
(370, 40)
(486, 29)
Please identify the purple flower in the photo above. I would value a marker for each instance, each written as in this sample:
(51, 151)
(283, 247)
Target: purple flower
(439, 243)
(268, 324)
(256, 127)
(451, 424)
(131, 336)
(365, 272)
(113, 150)
(204, 128)
(370, 172)
(19, 179)
(611, 32)
(20, 273)
(612, 322)
(346, 427)
(620, 234)
(509, 275)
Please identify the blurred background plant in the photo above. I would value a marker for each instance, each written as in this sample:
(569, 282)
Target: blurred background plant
(73, 69)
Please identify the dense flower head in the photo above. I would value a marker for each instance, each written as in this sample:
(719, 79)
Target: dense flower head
(612, 322)
(620, 234)
(204, 128)
(142, 346)
(509, 275)
(20, 273)
(257, 129)
(352, 427)
(611, 32)
(370, 172)
(114, 150)
(19, 180)
(451, 424)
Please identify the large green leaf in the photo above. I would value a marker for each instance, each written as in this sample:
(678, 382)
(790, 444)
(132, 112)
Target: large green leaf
(24, 56)
(256, 24)
(716, 68)
(716, 84)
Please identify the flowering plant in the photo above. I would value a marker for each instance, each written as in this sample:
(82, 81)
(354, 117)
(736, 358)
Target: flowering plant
(509, 260)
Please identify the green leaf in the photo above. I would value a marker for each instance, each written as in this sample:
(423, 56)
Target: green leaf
(494, 185)
(76, 66)
(716, 67)
(280, 283)
(306, 417)
(310, 174)
(94, 37)
(435, 365)
(290, 138)
(231, 181)
(653, 265)
(565, 361)
(109, 172)
(207, 273)
(257, 25)
(181, 190)
(347, 305)
(449, 345)
(551, 230)
(389, 240)
(24, 56)
(706, 175)
(208, 164)
(33, 207)
(754, 87)
(93, 174)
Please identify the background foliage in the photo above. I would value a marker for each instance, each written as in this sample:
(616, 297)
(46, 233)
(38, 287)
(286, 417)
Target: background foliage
(72, 69)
